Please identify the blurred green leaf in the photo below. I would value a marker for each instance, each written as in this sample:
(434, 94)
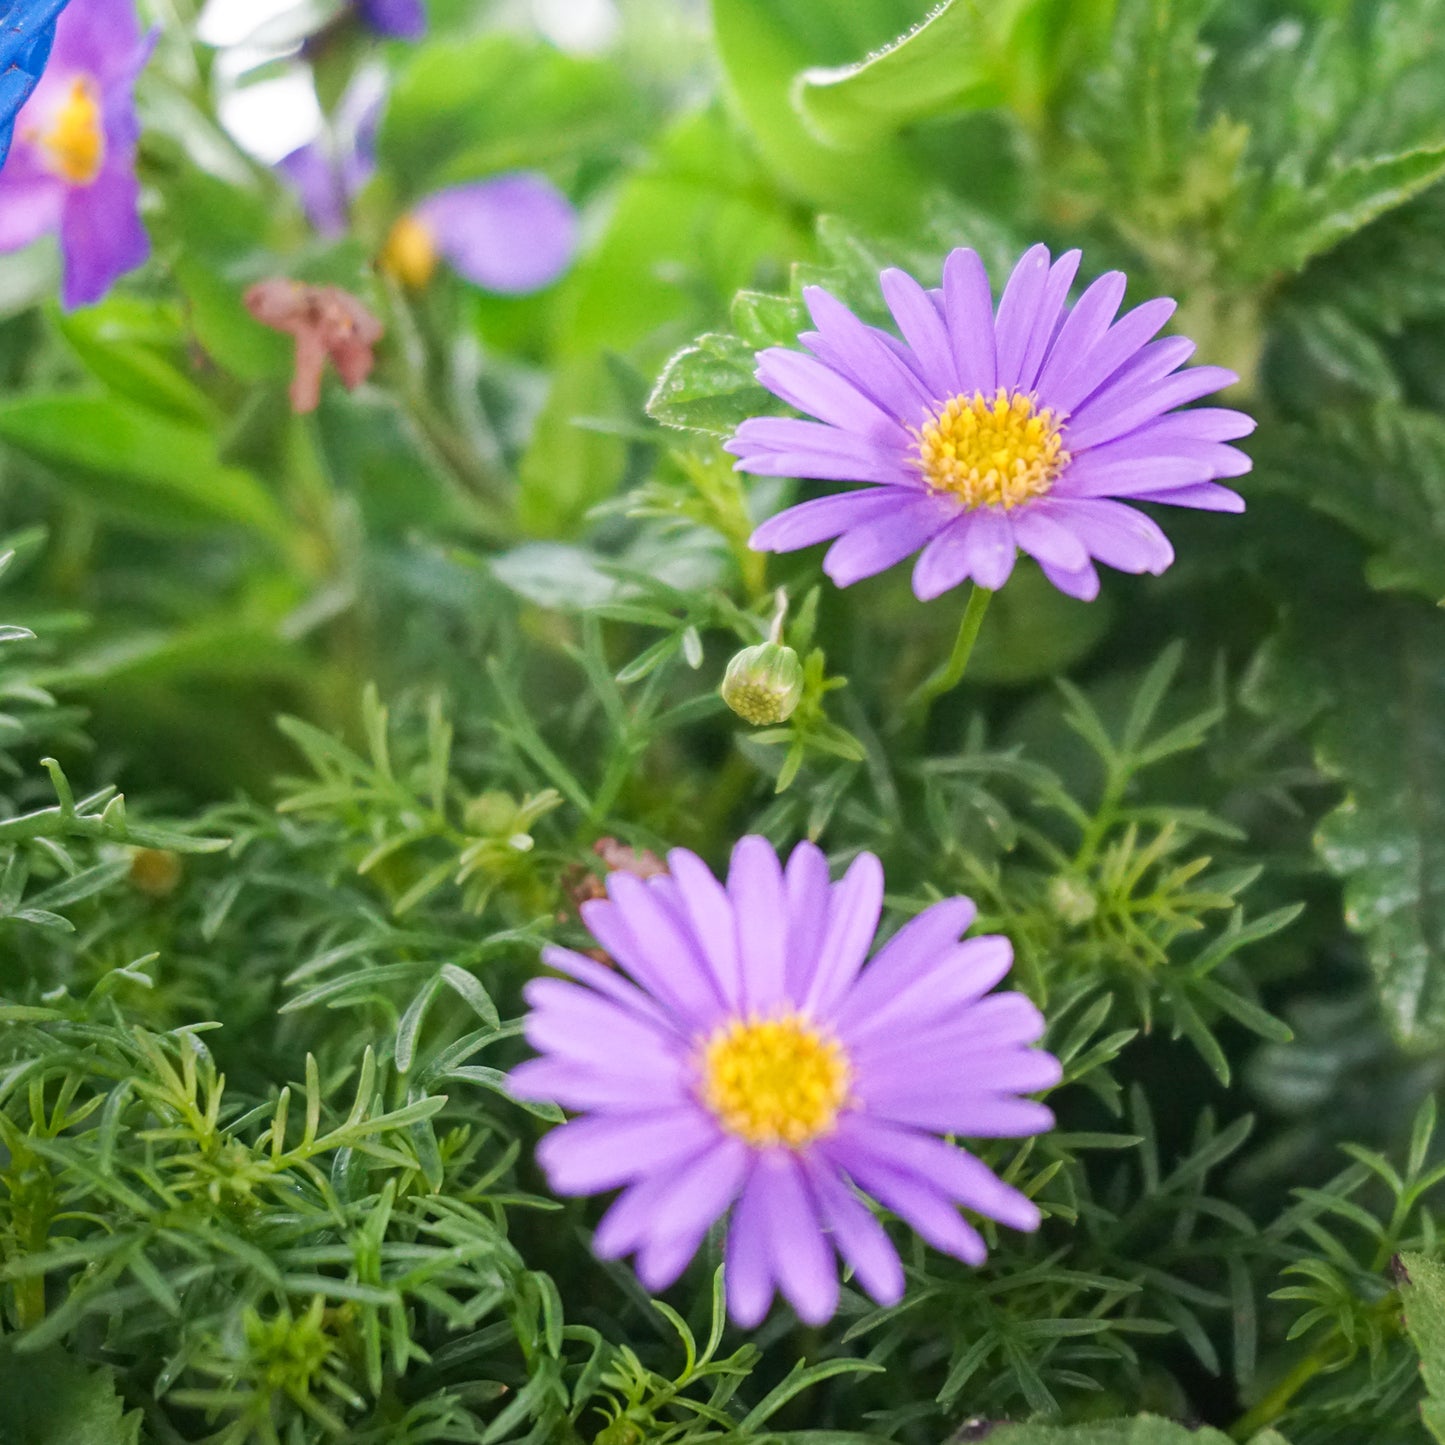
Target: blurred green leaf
(568, 468)
(711, 387)
(149, 469)
(960, 58)
(460, 111)
(764, 46)
(136, 349)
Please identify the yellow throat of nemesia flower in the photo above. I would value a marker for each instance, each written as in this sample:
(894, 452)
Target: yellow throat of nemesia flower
(74, 145)
(410, 255)
(998, 452)
(774, 1081)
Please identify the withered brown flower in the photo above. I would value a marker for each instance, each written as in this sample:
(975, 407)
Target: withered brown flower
(324, 321)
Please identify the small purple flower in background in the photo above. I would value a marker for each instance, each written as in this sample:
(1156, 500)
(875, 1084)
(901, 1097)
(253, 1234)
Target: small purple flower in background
(72, 169)
(510, 234)
(327, 173)
(400, 19)
(984, 432)
(755, 1061)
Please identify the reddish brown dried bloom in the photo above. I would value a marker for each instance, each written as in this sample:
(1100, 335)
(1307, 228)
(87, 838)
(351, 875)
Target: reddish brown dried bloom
(325, 321)
(581, 884)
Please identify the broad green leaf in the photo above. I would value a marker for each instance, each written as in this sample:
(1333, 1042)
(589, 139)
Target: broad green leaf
(697, 223)
(1142, 110)
(1295, 224)
(711, 387)
(144, 467)
(137, 349)
(764, 45)
(1141, 1430)
(1422, 1290)
(569, 467)
(1376, 685)
(467, 110)
(1381, 473)
(960, 58)
(49, 1398)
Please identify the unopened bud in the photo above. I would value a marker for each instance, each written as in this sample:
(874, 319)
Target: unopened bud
(156, 872)
(1072, 899)
(764, 684)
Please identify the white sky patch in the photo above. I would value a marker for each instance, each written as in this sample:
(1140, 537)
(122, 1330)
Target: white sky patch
(270, 117)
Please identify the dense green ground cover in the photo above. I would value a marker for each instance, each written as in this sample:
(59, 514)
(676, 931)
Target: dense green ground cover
(376, 681)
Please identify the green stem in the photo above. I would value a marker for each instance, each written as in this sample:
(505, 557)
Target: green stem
(1274, 1404)
(951, 673)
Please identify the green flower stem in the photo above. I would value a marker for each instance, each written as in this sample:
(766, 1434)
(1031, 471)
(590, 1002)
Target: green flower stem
(951, 673)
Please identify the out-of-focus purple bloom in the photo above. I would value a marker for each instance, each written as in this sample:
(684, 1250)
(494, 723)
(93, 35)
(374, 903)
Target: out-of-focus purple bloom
(510, 234)
(27, 31)
(402, 19)
(985, 431)
(72, 170)
(328, 172)
(754, 1061)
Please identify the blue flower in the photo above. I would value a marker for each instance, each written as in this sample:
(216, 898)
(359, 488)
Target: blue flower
(27, 31)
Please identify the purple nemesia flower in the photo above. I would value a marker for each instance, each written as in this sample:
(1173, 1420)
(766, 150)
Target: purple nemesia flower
(511, 233)
(986, 430)
(403, 19)
(326, 173)
(72, 170)
(753, 1061)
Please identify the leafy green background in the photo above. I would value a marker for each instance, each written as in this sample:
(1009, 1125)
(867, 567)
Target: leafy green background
(376, 683)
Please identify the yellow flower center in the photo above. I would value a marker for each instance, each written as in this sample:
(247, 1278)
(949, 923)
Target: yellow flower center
(410, 254)
(994, 453)
(774, 1081)
(75, 143)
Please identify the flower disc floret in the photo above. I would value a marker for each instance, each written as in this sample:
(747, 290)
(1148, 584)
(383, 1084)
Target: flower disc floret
(745, 1058)
(774, 1081)
(997, 452)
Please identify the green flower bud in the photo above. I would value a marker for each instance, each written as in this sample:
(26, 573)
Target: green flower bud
(1072, 900)
(764, 684)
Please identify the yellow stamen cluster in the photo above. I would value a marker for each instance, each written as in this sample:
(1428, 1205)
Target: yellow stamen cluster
(74, 145)
(995, 453)
(774, 1080)
(410, 254)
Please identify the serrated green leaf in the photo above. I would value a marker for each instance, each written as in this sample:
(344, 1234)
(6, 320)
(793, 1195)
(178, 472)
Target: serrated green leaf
(958, 58)
(1296, 224)
(1422, 1291)
(1381, 472)
(1378, 692)
(711, 387)
(49, 1398)
(1141, 1430)
(141, 465)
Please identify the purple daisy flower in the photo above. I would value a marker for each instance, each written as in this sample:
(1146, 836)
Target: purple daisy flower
(753, 1061)
(72, 170)
(401, 19)
(985, 431)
